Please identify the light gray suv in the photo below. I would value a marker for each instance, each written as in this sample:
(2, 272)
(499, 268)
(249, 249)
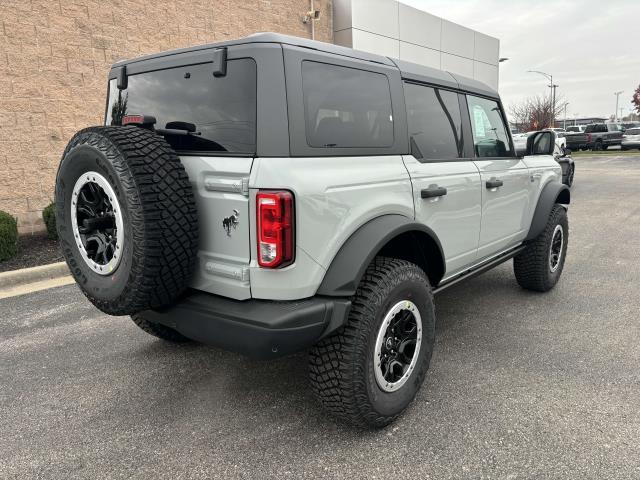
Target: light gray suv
(272, 194)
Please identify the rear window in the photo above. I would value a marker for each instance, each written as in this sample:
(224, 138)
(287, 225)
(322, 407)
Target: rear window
(633, 131)
(346, 107)
(221, 109)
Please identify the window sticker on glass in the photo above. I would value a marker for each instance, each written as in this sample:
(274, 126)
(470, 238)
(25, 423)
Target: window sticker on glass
(478, 119)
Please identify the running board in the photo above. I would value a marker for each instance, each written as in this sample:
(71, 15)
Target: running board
(483, 267)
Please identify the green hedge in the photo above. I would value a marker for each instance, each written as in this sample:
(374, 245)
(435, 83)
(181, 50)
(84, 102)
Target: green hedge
(8, 236)
(49, 217)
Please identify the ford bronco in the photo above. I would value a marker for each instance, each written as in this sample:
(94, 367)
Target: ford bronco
(271, 194)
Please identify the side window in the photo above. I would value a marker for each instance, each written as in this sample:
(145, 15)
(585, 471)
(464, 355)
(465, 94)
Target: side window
(346, 107)
(435, 124)
(490, 136)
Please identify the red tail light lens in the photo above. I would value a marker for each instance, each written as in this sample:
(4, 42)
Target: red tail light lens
(275, 228)
(132, 119)
(588, 137)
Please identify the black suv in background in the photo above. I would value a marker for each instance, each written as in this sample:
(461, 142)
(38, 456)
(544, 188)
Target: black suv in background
(601, 136)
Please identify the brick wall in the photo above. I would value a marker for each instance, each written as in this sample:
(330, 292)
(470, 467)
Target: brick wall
(54, 60)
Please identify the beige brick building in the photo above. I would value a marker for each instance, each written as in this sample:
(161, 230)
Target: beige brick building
(54, 59)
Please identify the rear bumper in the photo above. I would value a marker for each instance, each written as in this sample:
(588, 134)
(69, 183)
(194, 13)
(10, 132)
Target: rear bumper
(256, 328)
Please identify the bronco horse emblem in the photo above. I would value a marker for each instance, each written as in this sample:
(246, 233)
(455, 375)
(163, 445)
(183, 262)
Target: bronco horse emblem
(231, 222)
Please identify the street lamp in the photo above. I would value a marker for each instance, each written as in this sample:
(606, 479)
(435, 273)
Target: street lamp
(564, 120)
(617, 94)
(553, 87)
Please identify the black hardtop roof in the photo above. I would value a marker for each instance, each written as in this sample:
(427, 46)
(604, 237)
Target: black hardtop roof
(408, 70)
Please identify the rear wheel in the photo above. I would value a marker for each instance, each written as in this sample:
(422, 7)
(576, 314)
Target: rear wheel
(597, 146)
(539, 266)
(369, 371)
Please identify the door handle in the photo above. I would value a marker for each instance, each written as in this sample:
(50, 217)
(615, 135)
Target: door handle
(494, 183)
(433, 191)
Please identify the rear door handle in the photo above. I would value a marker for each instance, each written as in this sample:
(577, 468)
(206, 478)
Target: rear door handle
(494, 183)
(433, 191)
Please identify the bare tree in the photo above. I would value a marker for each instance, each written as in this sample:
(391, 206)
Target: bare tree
(535, 113)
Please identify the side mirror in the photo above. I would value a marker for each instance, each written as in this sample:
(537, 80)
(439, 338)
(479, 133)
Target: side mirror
(567, 152)
(540, 143)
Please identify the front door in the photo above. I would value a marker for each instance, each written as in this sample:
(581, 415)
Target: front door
(446, 186)
(505, 179)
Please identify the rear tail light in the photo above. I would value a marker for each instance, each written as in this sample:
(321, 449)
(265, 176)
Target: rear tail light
(275, 225)
(588, 137)
(142, 120)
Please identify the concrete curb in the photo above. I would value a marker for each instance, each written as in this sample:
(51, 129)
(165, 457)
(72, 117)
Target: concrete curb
(24, 276)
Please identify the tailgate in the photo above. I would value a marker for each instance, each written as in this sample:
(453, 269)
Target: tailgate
(221, 188)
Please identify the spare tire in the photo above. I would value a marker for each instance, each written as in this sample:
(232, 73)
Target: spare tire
(126, 217)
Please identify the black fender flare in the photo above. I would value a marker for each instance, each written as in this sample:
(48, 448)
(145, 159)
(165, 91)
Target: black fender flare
(355, 255)
(551, 194)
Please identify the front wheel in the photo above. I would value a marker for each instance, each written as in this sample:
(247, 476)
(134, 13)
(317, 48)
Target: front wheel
(570, 174)
(539, 266)
(370, 370)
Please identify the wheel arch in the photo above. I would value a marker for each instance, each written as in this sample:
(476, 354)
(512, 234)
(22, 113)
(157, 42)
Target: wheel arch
(551, 194)
(391, 235)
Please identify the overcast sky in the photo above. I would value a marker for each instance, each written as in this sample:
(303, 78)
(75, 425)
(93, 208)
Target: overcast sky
(591, 47)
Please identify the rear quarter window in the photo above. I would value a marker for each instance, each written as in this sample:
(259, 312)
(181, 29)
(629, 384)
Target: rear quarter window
(222, 109)
(346, 107)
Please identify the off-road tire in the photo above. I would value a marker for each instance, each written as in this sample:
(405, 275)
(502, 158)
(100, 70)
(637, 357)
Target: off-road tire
(532, 266)
(159, 251)
(341, 365)
(570, 175)
(160, 331)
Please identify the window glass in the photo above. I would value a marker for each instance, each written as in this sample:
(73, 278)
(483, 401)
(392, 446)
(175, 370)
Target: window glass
(346, 107)
(490, 136)
(222, 110)
(633, 131)
(434, 121)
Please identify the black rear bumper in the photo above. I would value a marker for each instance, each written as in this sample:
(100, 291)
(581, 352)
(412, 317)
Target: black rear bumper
(256, 328)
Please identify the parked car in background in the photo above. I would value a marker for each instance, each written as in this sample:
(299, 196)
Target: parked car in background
(601, 136)
(575, 128)
(560, 135)
(576, 139)
(627, 125)
(520, 142)
(631, 139)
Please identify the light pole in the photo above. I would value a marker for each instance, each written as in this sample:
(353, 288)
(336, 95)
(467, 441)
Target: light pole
(553, 87)
(617, 94)
(564, 120)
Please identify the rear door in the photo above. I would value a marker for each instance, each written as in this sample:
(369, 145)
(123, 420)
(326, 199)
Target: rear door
(506, 184)
(446, 186)
(210, 121)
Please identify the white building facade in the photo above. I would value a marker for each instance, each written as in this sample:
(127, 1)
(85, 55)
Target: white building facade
(391, 28)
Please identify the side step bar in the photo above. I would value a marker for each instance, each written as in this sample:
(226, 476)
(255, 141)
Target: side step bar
(481, 268)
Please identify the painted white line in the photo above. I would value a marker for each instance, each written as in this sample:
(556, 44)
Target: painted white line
(36, 286)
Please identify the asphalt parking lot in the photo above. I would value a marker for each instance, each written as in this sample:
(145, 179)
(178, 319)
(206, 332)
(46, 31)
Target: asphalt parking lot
(522, 385)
